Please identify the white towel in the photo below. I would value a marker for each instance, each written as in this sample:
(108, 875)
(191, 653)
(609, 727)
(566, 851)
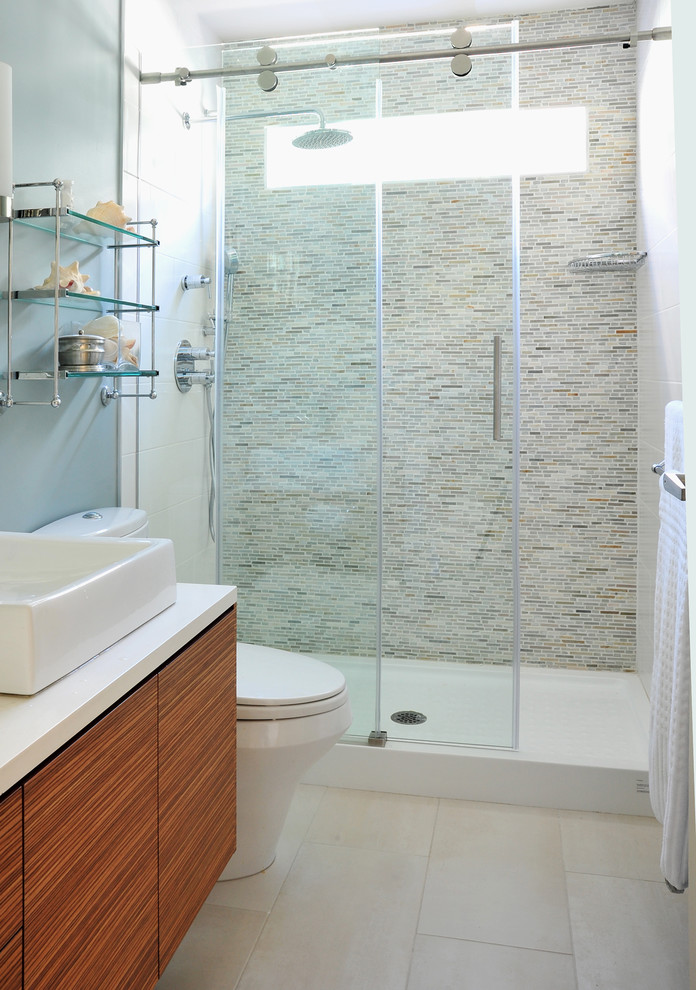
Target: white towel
(669, 702)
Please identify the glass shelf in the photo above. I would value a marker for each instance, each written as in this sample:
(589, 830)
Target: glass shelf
(79, 227)
(42, 376)
(80, 300)
(60, 222)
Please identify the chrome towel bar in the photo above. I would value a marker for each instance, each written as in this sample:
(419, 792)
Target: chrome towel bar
(672, 482)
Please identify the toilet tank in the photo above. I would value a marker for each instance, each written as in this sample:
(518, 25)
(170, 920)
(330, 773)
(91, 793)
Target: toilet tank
(114, 521)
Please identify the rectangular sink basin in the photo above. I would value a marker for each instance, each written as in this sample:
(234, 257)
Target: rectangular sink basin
(63, 601)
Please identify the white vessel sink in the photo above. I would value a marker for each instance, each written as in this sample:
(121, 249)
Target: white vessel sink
(63, 601)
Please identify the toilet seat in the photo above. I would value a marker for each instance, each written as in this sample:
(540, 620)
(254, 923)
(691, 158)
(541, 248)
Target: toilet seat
(276, 684)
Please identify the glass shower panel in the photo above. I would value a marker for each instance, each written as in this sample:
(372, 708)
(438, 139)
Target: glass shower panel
(368, 452)
(300, 416)
(448, 583)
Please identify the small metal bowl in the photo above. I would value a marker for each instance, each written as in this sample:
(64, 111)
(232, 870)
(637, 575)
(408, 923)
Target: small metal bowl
(81, 352)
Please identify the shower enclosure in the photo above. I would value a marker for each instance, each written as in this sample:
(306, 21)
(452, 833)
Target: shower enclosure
(427, 420)
(368, 424)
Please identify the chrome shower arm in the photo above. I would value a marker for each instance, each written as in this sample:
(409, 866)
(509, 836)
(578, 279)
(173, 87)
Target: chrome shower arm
(209, 115)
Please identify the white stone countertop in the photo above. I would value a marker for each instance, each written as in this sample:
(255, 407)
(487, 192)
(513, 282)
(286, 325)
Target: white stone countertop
(32, 728)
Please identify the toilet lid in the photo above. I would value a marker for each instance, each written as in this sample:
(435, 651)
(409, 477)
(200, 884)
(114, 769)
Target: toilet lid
(273, 678)
(112, 520)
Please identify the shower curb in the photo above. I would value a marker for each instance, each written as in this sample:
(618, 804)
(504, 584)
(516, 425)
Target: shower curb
(497, 776)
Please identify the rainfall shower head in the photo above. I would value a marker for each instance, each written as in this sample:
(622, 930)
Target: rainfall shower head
(322, 137)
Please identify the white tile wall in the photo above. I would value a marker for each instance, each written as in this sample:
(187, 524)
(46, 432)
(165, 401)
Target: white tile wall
(169, 174)
(659, 358)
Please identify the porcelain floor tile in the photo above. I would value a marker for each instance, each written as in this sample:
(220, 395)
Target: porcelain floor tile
(453, 964)
(611, 845)
(214, 950)
(374, 820)
(258, 893)
(496, 875)
(345, 919)
(628, 934)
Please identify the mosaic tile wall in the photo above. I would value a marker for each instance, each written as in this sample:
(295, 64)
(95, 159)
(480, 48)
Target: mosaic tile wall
(300, 427)
(447, 516)
(578, 514)
(300, 479)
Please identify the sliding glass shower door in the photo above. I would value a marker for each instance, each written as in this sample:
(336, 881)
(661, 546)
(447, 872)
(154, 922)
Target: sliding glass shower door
(448, 319)
(300, 425)
(368, 490)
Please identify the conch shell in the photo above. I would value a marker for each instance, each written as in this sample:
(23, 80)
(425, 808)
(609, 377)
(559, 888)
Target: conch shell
(69, 277)
(110, 328)
(109, 212)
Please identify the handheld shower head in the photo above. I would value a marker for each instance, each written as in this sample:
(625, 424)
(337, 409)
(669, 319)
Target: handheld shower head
(231, 269)
(322, 137)
(231, 261)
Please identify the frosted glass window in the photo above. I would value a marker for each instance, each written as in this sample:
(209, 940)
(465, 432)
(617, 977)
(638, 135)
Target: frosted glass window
(426, 147)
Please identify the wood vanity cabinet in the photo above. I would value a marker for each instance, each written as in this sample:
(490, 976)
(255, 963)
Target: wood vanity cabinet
(11, 891)
(90, 869)
(197, 754)
(11, 964)
(126, 830)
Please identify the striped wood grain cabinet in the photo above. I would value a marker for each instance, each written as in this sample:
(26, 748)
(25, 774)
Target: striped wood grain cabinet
(11, 891)
(125, 831)
(197, 794)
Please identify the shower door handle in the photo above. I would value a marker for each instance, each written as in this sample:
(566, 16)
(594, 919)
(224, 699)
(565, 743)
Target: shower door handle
(497, 350)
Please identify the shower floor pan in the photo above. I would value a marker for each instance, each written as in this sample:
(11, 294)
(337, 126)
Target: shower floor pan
(583, 737)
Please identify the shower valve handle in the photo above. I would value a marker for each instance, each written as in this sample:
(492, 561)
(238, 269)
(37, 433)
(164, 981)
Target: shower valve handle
(195, 353)
(194, 281)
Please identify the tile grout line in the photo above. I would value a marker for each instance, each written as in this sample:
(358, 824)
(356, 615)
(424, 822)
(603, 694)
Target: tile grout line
(559, 819)
(252, 950)
(275, 899)
(416, 932)
(498, 945)
(612, 876)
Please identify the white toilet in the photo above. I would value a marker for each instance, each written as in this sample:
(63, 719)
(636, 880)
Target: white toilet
(291, 709)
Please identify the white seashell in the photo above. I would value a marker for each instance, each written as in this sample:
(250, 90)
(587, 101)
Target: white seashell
(109, 212)
(111, 328)
(104, 326)
(127, 354)
(69, 277)
(110, 350)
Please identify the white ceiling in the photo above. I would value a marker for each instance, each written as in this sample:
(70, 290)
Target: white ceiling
(245, 20)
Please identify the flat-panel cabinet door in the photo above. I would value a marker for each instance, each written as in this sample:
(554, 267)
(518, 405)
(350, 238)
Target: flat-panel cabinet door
(198, 699)
(10, 866)
(90, 818)
(11, 964)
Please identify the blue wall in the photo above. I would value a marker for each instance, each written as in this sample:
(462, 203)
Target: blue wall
(66, 59)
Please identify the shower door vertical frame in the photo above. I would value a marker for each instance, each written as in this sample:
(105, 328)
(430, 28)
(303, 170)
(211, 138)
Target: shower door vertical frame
(378, 736)
(516, 329)
(220, 317)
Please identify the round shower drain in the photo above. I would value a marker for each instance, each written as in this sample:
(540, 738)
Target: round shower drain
(409, 718)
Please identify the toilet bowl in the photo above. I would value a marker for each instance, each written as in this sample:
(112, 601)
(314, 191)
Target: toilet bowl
(291, 709)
